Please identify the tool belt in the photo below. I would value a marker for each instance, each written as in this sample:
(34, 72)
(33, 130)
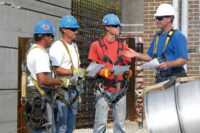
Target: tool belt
(178, 72)
(35, 113)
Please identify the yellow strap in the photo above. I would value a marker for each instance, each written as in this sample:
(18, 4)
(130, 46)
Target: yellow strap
(70, 54)
(42, 92)
(166, 42)
(155, 47)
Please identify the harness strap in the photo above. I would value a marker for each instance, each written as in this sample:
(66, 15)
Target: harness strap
(66, 47)
(169, 36)
(42, 92)
(106, 58)
(118, 94)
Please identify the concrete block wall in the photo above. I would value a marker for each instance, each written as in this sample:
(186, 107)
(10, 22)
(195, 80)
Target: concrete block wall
(150, 29)
(18, 18)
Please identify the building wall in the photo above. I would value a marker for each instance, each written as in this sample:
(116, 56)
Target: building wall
(18, 18)
(132, 17)
(150, 29)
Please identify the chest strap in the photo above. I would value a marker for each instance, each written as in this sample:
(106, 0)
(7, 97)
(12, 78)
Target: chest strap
(105, 58)
(66, 47)
(169, 36)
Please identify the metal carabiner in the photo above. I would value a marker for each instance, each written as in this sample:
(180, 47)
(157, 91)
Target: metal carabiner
(24, 101)
(101, 87)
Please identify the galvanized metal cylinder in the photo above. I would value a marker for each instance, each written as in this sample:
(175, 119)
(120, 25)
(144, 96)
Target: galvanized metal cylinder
(174, 110)
(189, 106)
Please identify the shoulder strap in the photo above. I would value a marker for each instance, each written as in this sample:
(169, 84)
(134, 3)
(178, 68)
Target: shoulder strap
(102, 45)
(70, 54)
(122, 46)
(42, 92)
(169, 36)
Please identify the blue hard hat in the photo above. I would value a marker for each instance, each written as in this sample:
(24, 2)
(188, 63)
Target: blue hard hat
(110, 19)
(68, 22)
(44, 27)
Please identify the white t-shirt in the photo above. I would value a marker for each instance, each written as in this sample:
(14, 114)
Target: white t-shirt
(37, 62)
(59, 55)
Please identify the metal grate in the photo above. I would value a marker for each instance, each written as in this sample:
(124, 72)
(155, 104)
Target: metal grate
(89, 14)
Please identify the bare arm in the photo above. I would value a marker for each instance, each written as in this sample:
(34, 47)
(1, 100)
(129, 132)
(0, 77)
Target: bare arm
(62, 71)
(130, 53)
(43, 79)
(176, 63)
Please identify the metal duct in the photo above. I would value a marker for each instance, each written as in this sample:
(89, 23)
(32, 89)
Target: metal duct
(174, 110)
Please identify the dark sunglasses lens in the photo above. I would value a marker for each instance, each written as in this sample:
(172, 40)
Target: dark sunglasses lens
(159, 18)
(115, 26)
(73, 29)
(52, 35)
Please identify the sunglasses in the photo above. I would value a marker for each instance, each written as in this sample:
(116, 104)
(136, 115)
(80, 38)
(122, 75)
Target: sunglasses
(114, 26)
(52, 35)
(73, 29)
(161, 18)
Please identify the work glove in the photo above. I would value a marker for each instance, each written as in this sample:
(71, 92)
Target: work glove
(84, 71)
(66, 82)
(127, 74)
(106, 73)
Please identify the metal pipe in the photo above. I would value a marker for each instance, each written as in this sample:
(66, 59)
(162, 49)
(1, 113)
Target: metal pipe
(184, 18)
(184, 21)
(176, 18)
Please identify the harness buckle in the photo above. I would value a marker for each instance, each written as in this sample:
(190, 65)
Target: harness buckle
(101, 87)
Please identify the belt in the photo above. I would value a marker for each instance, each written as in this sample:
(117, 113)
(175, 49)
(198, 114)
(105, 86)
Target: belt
(70, 87)
(171, 72)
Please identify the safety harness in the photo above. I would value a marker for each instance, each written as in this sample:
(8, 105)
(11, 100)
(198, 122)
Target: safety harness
(35, 107)
(60, 92)
(169, 36)
(179, 72)
(101, 81)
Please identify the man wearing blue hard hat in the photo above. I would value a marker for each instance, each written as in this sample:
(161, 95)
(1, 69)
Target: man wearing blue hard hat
(66, 62)
(112, 87)
(39, 112)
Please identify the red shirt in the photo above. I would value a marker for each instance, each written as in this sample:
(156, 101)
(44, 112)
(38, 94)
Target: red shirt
(96, 54)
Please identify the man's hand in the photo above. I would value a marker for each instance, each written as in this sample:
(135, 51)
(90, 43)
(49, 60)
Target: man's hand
(106, 73)
(84, 71)
(163, 66)
(130, 53)
(127, 74)
(66, 82)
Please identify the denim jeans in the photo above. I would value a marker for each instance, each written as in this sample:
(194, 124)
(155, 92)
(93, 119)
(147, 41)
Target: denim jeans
(66, 116)
(101, 114)
(50, 116)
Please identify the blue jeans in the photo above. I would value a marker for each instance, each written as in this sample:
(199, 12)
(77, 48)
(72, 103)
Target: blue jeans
(50, 116)
(66, 116)
(101, 114)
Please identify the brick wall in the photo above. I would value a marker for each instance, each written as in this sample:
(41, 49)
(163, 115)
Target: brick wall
(194, 37)
(150, 29)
